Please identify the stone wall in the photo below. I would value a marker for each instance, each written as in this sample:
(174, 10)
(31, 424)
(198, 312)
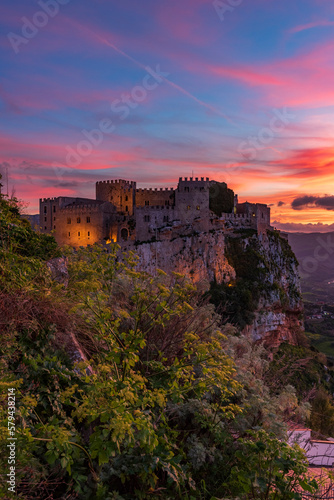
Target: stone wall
(82, 225)
(156, 197)
(192, 201)
(49, 209)
(120, 193)
(148, 218)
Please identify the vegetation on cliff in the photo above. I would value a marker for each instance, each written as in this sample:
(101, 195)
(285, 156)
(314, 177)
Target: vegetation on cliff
(130, 386)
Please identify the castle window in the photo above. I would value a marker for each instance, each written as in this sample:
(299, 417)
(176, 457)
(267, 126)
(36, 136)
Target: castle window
(126, 208)
(146, 218)
(45, 219)
(69, 234)
(45, 209)
(188, 207)
(78, 220)
(88, 219)
(166, 218)
(88, 234)
(186, 189)
(45, 228)
(54, 227)
(68, 220)
(54, 208)
(147, 203)
(79, 234)
(124, 234)
(54, 218)
(126, 198)
(201, 188)
(166, 202)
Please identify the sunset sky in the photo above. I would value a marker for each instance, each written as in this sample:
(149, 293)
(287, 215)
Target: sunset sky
(240, 91)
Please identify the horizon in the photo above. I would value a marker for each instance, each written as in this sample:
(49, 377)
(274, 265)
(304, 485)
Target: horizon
(235, 92)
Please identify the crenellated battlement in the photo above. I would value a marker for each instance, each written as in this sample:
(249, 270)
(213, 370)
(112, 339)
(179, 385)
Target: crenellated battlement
(192, 179)
(46, 200)
(235, 216)
(153, 190)
(156, 207)
(118, 182)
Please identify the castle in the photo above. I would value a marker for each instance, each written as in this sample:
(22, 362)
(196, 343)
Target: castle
(124, 214)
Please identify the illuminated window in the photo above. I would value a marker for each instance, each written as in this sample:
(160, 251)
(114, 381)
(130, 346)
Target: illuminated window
(198, 207)
(88, 219)
(68, 220)
(78, 220)
(188, 207)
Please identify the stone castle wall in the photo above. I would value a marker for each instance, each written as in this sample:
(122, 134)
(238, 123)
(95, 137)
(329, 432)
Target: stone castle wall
(158, 197)
(120, 193)
(123, 213)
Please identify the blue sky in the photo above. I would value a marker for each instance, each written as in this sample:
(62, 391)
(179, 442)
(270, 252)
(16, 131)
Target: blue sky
(244, 95)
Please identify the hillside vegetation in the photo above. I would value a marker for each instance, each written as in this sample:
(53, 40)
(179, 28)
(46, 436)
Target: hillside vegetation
(130, 386)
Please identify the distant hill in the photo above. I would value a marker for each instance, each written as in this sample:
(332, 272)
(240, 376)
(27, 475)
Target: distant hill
(315, 254)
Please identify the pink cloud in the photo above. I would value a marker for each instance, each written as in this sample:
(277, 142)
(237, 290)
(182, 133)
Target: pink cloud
(317, 24)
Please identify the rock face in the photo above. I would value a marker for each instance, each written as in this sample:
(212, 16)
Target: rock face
(204, 258)
(279, 316)
(58, 270)
(201, 257)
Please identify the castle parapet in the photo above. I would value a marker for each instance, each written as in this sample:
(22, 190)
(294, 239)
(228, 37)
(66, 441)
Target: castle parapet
(46, 200)
(155, 207)
(191, 179)
(118, 182)
(152, 190)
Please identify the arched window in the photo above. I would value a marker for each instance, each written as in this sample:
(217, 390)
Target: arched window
(124, 234)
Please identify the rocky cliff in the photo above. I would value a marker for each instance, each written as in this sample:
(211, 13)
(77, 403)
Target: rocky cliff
(254, 278)
(279, 314)
(200, 256)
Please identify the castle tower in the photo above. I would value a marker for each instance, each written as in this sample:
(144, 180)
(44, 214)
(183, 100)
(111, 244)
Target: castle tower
(120, 193)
